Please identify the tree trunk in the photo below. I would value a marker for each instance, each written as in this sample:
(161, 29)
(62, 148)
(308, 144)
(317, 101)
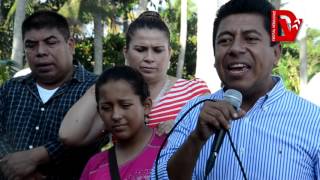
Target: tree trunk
(142, 6)
(205, 59)
(98, 43)
(17, 45)
(1, 17)
(303, 63)
(125, 18)
(183, 37)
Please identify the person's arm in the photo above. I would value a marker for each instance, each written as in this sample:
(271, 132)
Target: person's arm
(82, 124)
(191, 148)
(23, 163)
(5, 146)
(213, 117)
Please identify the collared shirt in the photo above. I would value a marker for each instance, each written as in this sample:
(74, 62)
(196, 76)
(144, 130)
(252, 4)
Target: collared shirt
(26, 122)
(278, 138)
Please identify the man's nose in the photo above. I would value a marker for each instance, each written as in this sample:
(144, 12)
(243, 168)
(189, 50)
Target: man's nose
(42, 49)
(237, 47)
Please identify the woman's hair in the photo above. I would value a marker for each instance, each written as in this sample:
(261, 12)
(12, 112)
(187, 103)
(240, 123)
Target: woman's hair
(150, 20)
(126, 73)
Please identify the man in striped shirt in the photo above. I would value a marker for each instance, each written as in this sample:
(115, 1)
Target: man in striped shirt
(276, 133)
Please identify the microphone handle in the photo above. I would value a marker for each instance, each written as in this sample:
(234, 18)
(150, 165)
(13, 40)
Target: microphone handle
(217, 142)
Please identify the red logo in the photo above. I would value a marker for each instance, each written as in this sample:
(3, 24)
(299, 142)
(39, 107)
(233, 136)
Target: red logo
(290, 29)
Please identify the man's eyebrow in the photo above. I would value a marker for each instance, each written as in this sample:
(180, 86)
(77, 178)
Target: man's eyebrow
(50, 37)
(224, 33)
(29, 41)
(155, 45)
(252, 31)
(46, 39)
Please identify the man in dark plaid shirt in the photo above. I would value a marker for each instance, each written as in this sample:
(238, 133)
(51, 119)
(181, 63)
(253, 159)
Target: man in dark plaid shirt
(32, 107)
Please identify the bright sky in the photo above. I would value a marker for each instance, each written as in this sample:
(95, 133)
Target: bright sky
(308, 10)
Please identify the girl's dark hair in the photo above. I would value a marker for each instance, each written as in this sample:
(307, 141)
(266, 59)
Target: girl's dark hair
(126, 73)
(46, 19)
(150, 20)
(261, 7)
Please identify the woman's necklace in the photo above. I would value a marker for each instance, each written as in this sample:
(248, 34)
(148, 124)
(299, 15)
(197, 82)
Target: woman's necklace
(162, 91)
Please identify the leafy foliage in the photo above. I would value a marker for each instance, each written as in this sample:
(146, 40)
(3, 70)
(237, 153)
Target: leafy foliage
(112, 54)
(118, 12)
(313, 44)
(288, 67)
(7, 69)
(172, 17)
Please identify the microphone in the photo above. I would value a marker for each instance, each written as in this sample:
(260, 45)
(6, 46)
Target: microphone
(234, 98)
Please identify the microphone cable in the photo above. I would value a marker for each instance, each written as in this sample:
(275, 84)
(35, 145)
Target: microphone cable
(237, 156)
(182, 117)
(166, 138)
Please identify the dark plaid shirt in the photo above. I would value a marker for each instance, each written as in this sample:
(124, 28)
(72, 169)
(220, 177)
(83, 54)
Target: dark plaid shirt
(26, 122)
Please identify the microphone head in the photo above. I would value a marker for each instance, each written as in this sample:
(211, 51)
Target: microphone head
(233, 97)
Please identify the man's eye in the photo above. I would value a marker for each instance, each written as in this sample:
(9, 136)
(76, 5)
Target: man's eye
(158, 50)
(30, 45)
(140, 49)
(52, 42)
(126, 106)
(224, 41)
(252, 39)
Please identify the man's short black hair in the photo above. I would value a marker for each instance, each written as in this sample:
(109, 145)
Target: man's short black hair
(261, 7)
(46, 19)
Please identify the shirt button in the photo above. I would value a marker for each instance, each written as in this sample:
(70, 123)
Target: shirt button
(42, 109)
(37, 128)
(30, 147)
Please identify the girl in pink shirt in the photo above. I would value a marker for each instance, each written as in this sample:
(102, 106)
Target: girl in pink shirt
(124, 102)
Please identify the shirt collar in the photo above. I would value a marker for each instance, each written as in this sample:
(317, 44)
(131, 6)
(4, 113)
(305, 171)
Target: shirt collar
(274, 94)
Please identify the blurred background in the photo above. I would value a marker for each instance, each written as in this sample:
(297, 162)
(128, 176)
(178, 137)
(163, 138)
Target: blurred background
(99, 26)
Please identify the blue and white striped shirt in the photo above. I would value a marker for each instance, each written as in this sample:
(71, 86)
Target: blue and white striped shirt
(278, 138)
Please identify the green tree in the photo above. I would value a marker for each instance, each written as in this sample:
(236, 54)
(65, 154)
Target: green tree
(7, 69)
(172, 17)
(289, 66)
(95, 10)
(183, 37)
(101, 12)
(17, 44)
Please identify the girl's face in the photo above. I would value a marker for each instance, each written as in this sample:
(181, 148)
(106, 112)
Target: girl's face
(121, 109)
(149, 52)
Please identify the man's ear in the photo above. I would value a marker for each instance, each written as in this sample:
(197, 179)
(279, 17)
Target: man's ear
(71, 44)
(124, 52)
(147, 106)
(277, 54)
(170, 52)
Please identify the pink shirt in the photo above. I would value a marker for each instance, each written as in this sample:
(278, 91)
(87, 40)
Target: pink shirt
(138, 168)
